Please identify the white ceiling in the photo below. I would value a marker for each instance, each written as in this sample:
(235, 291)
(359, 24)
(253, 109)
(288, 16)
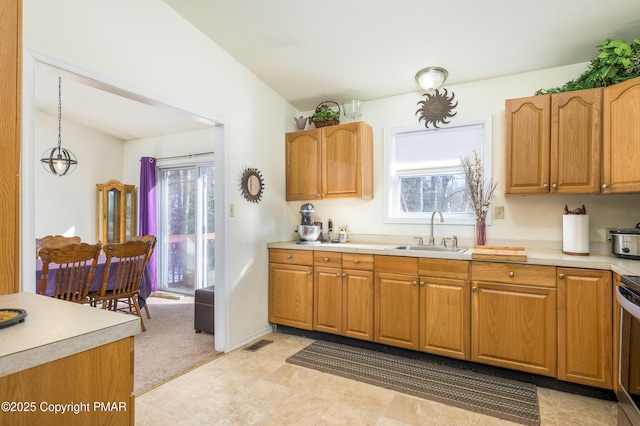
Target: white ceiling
(336, 50)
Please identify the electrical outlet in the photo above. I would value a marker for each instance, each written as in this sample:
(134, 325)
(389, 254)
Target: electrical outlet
(498, 212)
(607, 234)
(232, 210)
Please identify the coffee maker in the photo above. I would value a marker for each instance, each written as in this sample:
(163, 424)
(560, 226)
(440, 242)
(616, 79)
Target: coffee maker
(308, 232)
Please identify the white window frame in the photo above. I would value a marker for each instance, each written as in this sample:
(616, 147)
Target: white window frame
(390, 185)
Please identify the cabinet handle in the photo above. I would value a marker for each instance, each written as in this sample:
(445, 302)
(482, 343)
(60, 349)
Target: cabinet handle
(415, 283)
(545, 186)
(356, 261)
(288, 256)
(554, 186)
(326, 259)
(605, 186)
(338, 274)
(344, 275)
(421, 283)
(474, 288)
(308, 272)
(561, 276)
(512, 274)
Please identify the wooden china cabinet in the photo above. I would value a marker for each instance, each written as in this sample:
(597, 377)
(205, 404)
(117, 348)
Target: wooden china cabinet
(115, 212)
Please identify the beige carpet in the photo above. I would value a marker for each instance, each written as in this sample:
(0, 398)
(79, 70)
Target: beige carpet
(170, 346)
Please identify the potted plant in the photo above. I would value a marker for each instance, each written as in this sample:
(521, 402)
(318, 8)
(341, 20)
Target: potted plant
(618, 61)
(325, 115)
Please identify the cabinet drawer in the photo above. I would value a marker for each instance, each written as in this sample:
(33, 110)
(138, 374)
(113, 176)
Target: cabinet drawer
(294, 257)
(362, 262)
(510, 273)
(396, 264)
(327, 258)
(444, 268)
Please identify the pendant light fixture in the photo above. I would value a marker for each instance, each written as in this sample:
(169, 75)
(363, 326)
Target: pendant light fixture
(57, 160)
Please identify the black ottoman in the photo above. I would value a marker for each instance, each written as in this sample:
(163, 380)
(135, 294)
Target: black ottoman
(203, 318)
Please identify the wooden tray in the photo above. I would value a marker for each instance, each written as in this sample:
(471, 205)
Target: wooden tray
(499, 253)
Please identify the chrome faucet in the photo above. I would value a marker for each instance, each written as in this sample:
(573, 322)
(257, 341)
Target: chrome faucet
(431, 239)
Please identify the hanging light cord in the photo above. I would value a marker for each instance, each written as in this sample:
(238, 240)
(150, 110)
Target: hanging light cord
(59, 112)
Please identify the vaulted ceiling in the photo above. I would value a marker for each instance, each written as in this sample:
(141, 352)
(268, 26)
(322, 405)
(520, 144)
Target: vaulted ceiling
(309, 52)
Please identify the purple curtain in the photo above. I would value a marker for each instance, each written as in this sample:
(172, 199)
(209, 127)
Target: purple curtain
(148, 216)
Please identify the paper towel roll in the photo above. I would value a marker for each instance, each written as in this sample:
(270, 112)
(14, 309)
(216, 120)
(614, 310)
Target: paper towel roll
(575, 234)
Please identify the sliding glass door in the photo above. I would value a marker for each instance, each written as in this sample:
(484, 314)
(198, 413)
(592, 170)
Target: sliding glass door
(186, 228)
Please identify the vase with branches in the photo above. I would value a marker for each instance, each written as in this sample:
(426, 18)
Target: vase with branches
(480, 193)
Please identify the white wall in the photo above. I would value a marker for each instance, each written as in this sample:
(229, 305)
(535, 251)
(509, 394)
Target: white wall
(68, 202)
(145, 45)
(532, 220)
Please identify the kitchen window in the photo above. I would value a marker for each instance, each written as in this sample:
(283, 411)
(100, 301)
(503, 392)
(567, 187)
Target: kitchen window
(423, 171)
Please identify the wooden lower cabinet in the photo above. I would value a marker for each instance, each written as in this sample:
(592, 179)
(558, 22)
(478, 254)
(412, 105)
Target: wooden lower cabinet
(585, 328)
(396, 301)
(291, 289)
(343, 298)
(557, 322)
(514, 325)
(97, 383)
(445, 307)
(357, 304)
(327, 300)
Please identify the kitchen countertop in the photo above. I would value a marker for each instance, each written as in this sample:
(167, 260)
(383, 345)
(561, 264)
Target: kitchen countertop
(551, 258)
(55, 329)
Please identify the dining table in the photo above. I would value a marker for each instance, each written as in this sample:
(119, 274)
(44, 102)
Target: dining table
(96, 282)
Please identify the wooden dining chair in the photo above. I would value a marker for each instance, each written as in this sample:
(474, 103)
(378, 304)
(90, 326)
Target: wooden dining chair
(124, 267)
(55, 241)
(76, 264)
(151, 239)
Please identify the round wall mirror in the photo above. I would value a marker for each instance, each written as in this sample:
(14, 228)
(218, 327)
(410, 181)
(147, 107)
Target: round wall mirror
(252, 185)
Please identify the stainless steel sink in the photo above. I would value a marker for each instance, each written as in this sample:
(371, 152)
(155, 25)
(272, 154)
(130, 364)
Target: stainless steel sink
(430, 248)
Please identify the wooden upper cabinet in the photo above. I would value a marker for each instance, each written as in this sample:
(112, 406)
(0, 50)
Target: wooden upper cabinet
(304, 165)
(528, 123)
(576, 141)
(621, 138)
(553, 143)
(10, 119)
(330, 162)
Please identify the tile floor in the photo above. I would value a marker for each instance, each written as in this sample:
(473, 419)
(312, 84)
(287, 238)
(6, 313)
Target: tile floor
(259, 388)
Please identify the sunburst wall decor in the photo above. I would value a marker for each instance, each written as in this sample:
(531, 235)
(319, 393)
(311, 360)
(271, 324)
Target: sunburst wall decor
(436, 108)
(251, 185)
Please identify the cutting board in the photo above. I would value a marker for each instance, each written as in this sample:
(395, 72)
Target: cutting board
(499, 253)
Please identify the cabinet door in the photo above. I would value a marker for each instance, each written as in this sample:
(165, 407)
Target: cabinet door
(396, 310)
(445, 317)
(304, 172)
(327, 301)
(527, 145)
(347, 161)
(357, 302)
(585, 327)
(514, 326)
(576, 129)
(621, 133)
(291, 295)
